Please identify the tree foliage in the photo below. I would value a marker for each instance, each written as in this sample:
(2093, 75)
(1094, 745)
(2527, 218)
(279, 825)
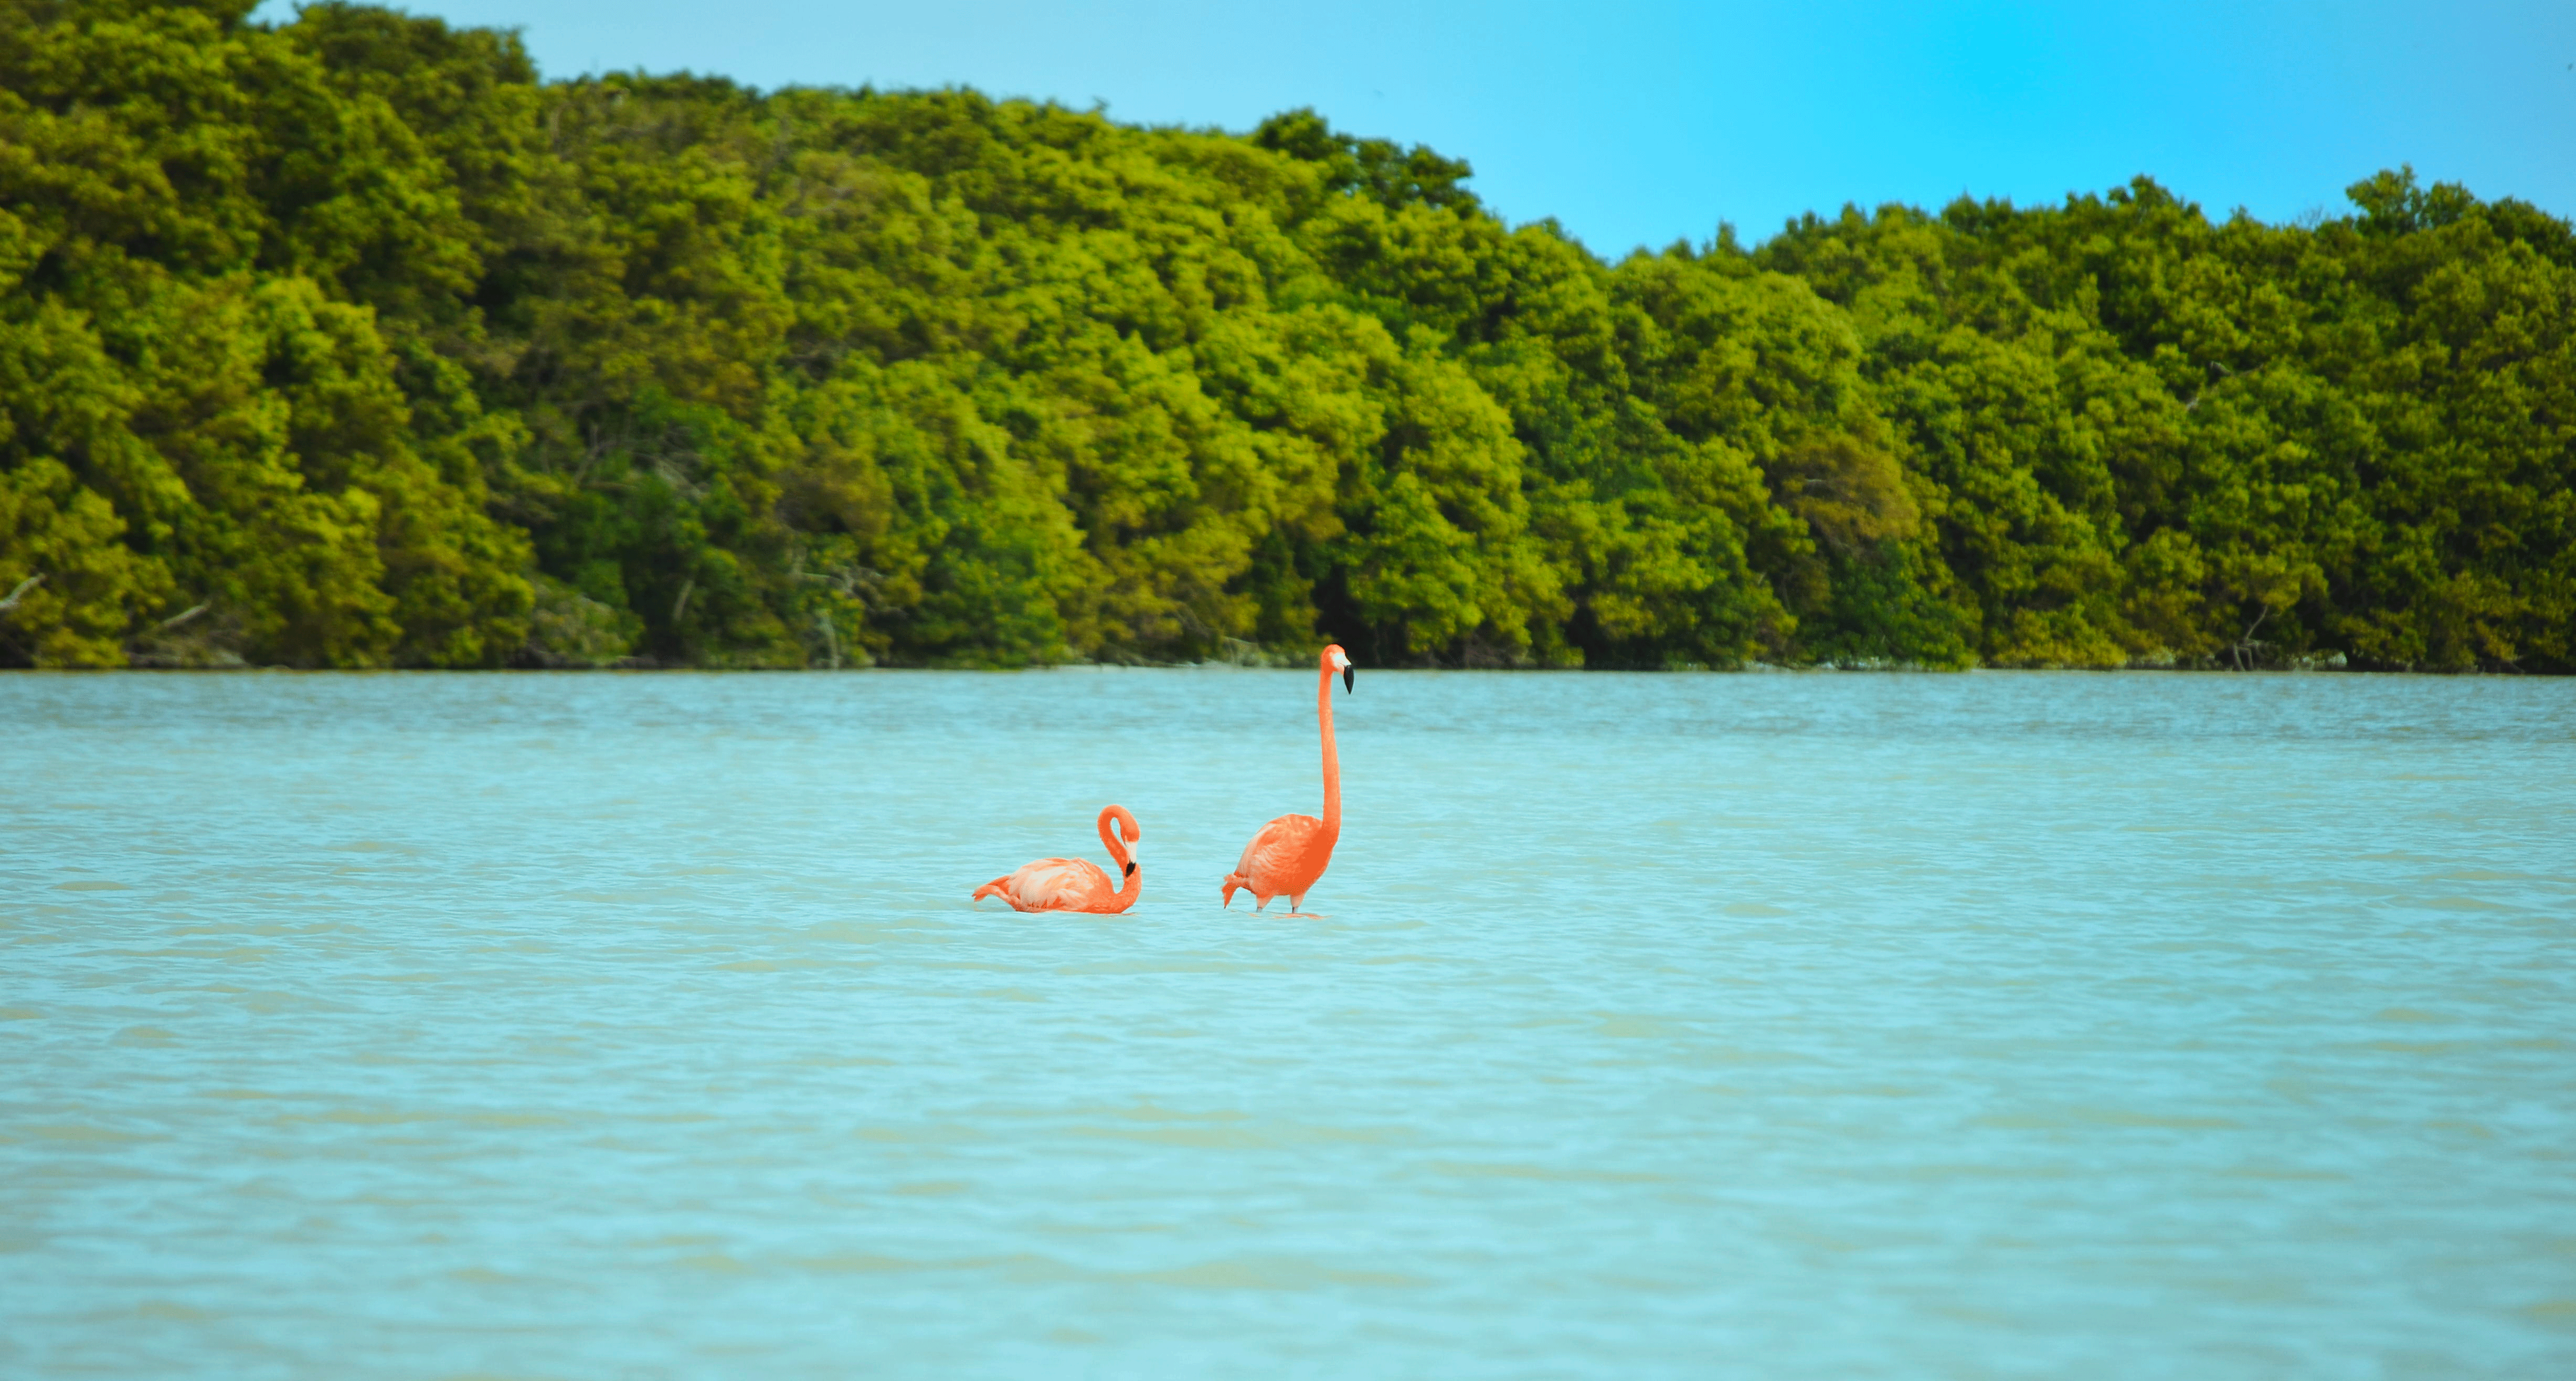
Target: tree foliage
(350, 342)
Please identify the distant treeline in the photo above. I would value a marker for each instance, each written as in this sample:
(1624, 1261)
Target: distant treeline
(348, 342)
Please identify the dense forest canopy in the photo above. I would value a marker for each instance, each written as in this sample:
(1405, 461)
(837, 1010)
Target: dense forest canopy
(350, 342)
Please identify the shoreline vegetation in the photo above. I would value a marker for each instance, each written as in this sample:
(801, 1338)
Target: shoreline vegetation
(350, 342)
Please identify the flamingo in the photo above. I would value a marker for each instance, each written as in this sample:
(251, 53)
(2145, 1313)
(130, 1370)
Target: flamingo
(1293, 850)
(1074, 884)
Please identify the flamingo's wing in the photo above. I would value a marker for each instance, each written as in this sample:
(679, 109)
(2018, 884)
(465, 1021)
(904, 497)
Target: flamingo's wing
(1052, 884)
(1279, 843)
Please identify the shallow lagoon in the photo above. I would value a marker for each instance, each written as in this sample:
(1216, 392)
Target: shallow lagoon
(1831, 1025)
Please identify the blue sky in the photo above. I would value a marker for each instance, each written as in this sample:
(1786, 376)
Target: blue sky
(1642, 123)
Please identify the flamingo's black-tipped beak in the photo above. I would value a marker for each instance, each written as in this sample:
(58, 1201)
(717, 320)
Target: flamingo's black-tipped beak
(1131, 869)
(1348, 675)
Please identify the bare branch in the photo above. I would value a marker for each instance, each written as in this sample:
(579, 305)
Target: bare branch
(831, 636)
(176, 619)
(24, 586)
(2250, 646)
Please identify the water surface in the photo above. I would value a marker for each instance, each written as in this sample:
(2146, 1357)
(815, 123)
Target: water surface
(638, 1026)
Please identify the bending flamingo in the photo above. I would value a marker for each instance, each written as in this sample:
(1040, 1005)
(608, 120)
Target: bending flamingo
(1073, 884)
(1293, 850)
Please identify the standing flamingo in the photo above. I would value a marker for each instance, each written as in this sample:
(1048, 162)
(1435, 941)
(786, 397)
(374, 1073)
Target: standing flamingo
(1293, 850)
(1073, 884)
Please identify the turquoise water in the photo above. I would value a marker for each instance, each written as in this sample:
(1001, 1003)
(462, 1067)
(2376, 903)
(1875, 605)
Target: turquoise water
(1818, 1025)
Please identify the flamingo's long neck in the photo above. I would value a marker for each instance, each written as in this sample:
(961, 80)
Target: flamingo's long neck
(1332, 760)
(1118, 856)
(1109, 839)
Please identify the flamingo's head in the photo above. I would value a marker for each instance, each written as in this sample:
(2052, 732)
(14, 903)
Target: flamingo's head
(1335, 659)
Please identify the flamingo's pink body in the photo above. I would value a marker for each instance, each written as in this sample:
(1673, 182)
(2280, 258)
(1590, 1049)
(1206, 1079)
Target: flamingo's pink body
(1076, 884)
(1292, 851)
